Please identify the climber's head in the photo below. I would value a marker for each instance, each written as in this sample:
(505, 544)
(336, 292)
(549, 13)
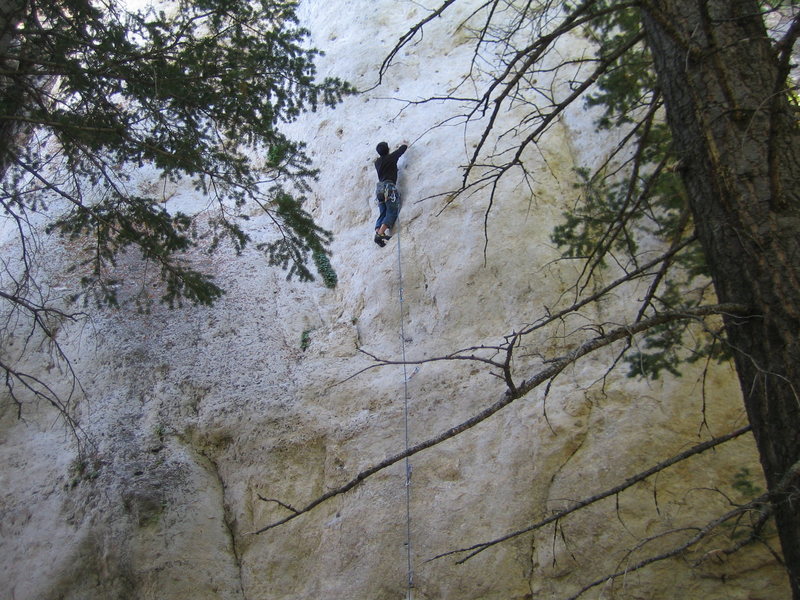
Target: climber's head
(382, 148)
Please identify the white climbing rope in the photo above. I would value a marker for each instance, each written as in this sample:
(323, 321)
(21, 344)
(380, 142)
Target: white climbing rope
(410, 588)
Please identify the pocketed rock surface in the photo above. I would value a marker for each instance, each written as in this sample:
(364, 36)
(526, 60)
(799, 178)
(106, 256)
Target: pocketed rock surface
(209, 424)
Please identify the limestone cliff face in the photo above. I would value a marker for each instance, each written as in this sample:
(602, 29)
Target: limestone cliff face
(202, 417)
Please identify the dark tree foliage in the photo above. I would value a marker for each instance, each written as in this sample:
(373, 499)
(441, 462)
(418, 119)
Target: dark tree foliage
(195, 89)
(192, 91)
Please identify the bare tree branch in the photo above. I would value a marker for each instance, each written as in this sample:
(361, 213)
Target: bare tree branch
(699, 448)
(407, 37)
(761, 505)
(700, 534)
(555, 367)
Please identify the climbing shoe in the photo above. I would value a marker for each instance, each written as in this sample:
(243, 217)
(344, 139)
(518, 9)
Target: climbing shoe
(379, 240)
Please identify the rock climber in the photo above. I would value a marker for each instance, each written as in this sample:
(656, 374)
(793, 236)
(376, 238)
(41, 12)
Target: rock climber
(386, 193)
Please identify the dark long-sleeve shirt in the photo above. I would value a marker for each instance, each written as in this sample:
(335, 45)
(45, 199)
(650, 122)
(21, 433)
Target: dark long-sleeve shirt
(386, 166)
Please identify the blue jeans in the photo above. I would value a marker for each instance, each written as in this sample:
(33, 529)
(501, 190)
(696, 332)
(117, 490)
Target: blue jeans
(388, 204)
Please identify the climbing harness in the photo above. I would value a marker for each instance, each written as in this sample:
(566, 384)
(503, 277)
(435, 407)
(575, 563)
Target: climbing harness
(386, 191)
(410, 589)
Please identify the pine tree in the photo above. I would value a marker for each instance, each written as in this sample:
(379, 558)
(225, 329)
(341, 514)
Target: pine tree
(193, 90)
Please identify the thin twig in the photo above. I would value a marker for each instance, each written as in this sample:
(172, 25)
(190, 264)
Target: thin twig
(699, 448)
(553, 369)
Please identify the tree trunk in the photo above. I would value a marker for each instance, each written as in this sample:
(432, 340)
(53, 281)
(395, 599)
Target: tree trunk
(11, 15)
(736, 134)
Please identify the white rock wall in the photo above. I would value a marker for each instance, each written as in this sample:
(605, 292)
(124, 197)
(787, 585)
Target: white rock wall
(199, 413)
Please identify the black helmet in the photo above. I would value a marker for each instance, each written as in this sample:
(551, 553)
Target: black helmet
(382, 148)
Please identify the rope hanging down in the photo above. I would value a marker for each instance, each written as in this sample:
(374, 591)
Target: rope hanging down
(409, 594)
